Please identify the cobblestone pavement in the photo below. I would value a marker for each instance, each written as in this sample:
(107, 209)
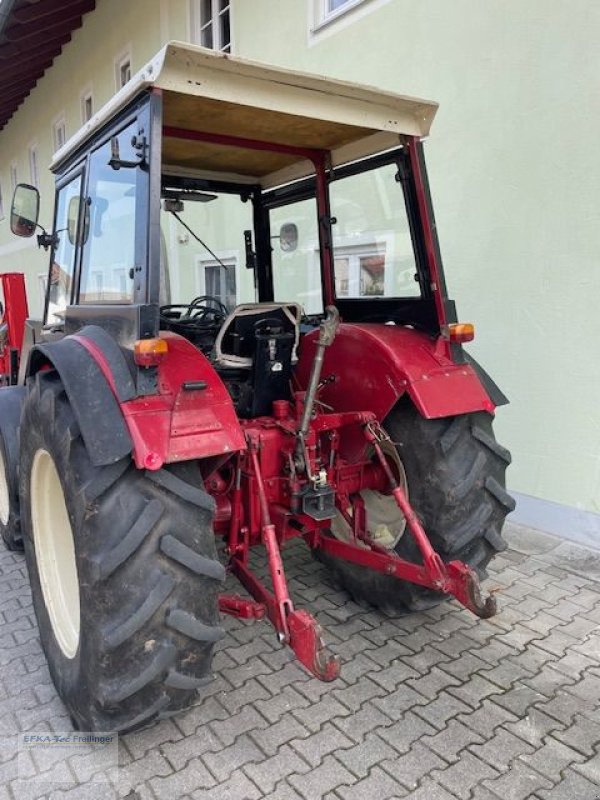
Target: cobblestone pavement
(433, 706)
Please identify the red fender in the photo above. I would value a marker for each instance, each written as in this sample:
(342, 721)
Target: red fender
(374, 365)
(178, 424)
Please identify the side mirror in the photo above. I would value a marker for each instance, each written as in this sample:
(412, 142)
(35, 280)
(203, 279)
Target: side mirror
(73, 219)
(25, 210)
(288, 237)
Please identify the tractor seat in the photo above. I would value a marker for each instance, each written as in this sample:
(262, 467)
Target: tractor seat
(235, 344)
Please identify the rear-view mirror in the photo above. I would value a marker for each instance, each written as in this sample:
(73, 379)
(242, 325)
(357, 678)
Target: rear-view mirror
(288, 237)
(25, 210)
(73, 219)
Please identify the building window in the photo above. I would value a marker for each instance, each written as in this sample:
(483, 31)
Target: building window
(359, 272)
(123, 70)
(218, 280)
(210, 24)
(59, 132)
(14, 179)
(87, 106)
(33, 166)
(324, 15)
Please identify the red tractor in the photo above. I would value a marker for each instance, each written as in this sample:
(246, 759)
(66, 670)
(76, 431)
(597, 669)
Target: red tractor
(171, 402)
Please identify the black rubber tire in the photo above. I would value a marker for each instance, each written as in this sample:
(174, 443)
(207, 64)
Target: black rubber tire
(455, 473)
(148, 575)
(10, 413)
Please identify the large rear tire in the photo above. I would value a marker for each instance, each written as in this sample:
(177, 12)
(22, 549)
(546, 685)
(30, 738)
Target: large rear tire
(123, 569)
(455, 479)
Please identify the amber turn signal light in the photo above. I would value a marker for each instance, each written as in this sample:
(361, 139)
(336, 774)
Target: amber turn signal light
(459, 332)
(150, 352)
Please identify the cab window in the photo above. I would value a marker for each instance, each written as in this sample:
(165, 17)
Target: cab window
(62, 262)
(108, 260)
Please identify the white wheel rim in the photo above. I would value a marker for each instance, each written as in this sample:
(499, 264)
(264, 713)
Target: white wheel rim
(385, 522)
(4, 494)
(55, 552)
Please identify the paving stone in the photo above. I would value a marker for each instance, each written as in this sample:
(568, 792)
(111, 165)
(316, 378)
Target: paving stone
(316, 747)
(519, 782)
(193, 776)
(397, 703)
(378, 785)
(486, 718)
(268, 773)
(552, 758)
(572, 787)
(284, 792)
(398, 672)
(507, 673)
(138, 744)
(367, 719)
(534, 726)
(411, 767)
(549, 680)
(362, 757)
(248, 719)
(237, 787)
(449, 742)
(463, 777)
(440, 710)
(501, 749)
(409, 729)
(590, 769)
(246, 694)
(330, 775)
(223, 763)
(582, 735)
(426, 659)
(273, 736)
(288, 699)
(564, 706)
(474, 691)
(431, 684)
(353, 697)
(326, 709)
(519, 699)
(430, 790)
(180, 752)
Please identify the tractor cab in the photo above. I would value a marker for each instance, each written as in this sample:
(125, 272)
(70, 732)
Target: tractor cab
(209, 183)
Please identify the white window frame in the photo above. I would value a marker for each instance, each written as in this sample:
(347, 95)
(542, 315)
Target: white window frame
(323, 22)
(34, 170)
(14, 176)
(59, 123)
(86, 94)
(198, 25)
(122, 60)
(230, 258)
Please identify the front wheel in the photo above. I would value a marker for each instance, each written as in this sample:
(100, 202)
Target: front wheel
(453, 471)
(123, 569)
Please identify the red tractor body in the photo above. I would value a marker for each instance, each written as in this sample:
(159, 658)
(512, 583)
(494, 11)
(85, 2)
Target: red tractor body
(159, 428)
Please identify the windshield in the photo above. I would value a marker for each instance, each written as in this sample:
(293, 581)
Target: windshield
(214, 266)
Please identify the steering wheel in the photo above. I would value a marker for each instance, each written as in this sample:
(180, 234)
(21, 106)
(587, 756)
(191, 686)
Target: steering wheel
(201, 313)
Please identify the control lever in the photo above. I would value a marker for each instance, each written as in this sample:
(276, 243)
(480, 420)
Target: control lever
(327, 332)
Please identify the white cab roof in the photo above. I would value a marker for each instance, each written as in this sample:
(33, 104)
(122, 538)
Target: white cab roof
(214, 93)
